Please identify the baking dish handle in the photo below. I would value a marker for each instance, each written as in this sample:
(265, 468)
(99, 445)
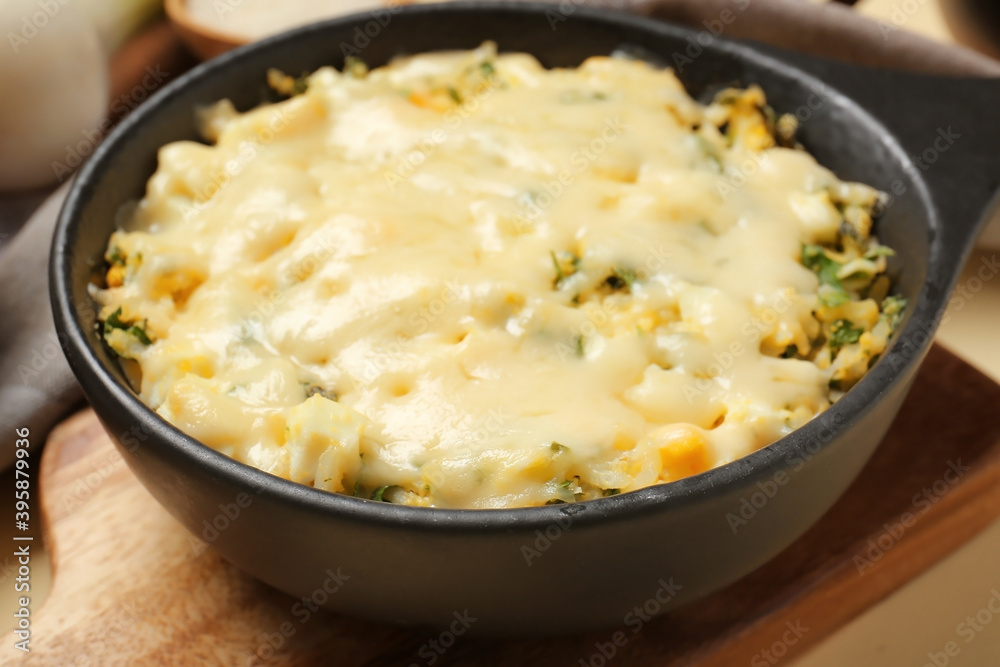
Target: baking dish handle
(948, 127)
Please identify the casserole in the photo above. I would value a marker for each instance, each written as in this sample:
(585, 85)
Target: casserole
(296, 296)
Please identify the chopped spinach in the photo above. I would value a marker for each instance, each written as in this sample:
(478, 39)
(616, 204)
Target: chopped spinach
(843, 332)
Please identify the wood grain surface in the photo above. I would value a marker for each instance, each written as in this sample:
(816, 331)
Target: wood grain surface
(133, 588)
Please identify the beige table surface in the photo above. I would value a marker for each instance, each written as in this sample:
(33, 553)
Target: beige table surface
(919, 619)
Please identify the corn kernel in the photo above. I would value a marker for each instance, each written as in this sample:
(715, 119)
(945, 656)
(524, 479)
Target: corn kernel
(116, 276)
(683, 451)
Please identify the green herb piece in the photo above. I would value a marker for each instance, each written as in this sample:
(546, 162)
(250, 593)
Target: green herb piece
(880, 251)
(454, 94)
(378, 495)
(558, 448)
(486, 67)
(579, 97)
(790, 352)
(785, 128)
(857, 222)
(831, 297)
(843, 332)
(709, 152)
(355, 67)
(569, 489)
(858, 274)
(300, 85)
(312, 389)
(727, 96)
(627, 276)
(286, 85)
(560, 276)
(578, 345)
(892, 310)
(114, 321)
(562, 273)
(621, 279)
(703, 224)
(815, 259)
(116, 257)
(139, 334)
(610, 492)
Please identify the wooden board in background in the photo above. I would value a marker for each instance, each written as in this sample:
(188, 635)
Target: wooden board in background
(133, 588)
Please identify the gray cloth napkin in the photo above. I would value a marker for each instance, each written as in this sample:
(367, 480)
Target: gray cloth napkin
(36, 386)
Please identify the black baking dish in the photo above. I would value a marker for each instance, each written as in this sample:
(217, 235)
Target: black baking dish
(931, 142)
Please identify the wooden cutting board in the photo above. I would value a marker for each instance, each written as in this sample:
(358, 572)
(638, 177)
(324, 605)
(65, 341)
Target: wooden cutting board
(131, 587)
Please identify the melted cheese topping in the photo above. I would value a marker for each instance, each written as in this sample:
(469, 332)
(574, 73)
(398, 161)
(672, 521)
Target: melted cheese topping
(463, 280)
